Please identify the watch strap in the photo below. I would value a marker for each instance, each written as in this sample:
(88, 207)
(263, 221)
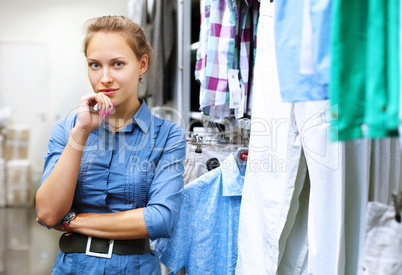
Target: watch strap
(66, 227)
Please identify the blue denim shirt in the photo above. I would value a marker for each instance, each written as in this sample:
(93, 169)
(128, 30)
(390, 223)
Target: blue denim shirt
(140, 166)
(205, 236)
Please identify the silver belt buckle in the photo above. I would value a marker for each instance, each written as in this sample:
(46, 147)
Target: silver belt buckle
(100, 255)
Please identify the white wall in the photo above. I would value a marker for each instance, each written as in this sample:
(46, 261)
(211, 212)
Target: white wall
(56, 27)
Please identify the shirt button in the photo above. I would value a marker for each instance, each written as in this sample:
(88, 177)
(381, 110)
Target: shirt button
(106, 170)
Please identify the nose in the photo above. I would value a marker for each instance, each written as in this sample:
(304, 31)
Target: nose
(107, 76)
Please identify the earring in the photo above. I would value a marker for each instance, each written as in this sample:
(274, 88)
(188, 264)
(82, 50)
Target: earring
(140, 78)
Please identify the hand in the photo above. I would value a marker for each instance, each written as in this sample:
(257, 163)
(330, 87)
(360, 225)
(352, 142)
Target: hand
(88, 119)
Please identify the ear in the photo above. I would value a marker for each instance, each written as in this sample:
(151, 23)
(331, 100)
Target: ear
(143, 63)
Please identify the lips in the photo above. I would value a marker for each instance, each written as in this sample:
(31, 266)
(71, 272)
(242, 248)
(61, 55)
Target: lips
(108, 92)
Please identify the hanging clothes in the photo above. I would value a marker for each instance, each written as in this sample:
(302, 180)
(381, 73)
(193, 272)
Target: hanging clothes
(227, 42)
(296, 85)
(158, 18)
(247, 37)
(195, 164)
(135, 10)
(163, 41)
(205, 236)
(274, 234)
(382, 245)
(216, 51)
(400, 73)
(364, 69)
(306, 44)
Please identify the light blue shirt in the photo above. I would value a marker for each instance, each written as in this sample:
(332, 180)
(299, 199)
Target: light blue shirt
(295, 86)
(140, 166)
(205, 237)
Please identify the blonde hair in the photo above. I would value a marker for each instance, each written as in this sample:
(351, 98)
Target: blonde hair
(133, 33)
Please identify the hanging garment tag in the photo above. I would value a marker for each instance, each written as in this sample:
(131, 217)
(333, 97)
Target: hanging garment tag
(215, 114)
(239, 112)
(234, 89)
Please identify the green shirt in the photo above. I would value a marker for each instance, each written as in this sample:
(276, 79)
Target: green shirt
(364, 80)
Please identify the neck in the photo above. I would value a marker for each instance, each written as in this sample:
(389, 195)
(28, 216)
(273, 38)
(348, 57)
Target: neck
(123, 114)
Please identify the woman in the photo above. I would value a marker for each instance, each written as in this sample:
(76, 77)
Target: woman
(119, 167)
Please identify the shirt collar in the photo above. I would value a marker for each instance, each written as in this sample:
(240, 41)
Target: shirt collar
(143, 117)
(232, 181)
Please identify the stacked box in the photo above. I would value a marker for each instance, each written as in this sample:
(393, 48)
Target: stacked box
(16, 142)
(18, 183)
(2, 182)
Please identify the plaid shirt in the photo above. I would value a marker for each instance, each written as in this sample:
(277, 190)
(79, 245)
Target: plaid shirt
(222, 48)
(249, 21)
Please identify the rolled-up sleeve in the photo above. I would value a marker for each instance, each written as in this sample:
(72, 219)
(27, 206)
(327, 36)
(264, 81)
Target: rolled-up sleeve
(164, 195)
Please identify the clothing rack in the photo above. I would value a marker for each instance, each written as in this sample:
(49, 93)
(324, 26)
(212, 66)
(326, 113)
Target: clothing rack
(237, 137)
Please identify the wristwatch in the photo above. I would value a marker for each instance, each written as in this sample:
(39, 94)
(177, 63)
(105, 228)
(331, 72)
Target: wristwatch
(67, 219)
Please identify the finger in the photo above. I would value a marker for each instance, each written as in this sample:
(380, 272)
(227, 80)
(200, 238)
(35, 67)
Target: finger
(99, 104)
(107, 105)
(111, 106)
(89, 103)
(101, 110)
(104, 106)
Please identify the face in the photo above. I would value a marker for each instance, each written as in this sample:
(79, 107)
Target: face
(113, 68)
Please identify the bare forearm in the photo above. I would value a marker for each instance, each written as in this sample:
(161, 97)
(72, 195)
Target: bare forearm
(118, 226)
(54, 198)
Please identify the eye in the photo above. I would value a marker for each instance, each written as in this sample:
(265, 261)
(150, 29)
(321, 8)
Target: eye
(118, 64)
(94, 66)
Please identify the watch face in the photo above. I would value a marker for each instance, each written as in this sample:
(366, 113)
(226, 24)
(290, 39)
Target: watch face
(69, 216)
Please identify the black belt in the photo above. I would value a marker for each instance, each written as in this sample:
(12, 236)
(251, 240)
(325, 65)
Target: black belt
(97, 247)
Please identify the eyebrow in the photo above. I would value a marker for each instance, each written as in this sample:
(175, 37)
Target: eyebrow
(117, 58)
(113, 59)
